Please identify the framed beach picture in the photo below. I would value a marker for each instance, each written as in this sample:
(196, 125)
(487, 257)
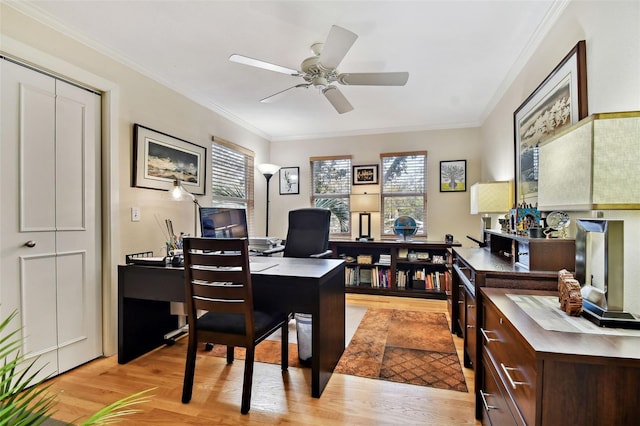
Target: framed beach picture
(558, 102)
(289, 180)
(453, 176)
(365, 175)
(159, 159)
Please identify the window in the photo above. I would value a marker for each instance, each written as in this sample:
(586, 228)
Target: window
(232, 177)
(404, 189)
(331, 186)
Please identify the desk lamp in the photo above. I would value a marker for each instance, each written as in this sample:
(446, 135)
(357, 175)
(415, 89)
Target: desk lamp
(267, 171)
(490, 197)
(178, 193)
(364, 204)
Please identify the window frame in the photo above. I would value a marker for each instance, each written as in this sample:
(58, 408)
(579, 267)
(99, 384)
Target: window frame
(344, 196)
(383, 195)
(224, 201)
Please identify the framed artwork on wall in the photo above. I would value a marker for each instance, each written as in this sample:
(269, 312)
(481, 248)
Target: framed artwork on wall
(365, 175)
(558, 102)
(159, 159)
(289, 180)
(453, 176)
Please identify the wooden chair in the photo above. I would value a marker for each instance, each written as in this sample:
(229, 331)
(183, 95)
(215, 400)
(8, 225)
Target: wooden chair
(218, 280)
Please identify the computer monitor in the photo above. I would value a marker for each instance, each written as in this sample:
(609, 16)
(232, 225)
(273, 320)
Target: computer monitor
(223, 222)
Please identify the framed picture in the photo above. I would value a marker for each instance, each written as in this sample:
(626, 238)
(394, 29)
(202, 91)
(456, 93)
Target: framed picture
(453, 176)
(365, 175)
(289, 180)
(159, 159)
(558, 102)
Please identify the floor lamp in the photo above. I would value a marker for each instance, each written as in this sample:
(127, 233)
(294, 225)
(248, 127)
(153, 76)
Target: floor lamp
(267, 171)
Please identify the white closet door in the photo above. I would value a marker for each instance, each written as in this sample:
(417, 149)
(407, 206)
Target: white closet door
(78, 271)
(50, 257)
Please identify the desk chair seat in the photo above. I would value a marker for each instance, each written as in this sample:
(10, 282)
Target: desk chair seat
(218, 280)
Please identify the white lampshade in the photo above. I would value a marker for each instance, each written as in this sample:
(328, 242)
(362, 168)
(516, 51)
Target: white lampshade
(490, 197)
(268, 169)
(364, 202)
(593, 165)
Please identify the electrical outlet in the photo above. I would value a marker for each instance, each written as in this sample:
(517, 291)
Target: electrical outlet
(135, 214)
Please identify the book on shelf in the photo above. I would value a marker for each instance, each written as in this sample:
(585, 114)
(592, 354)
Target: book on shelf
(385, 259)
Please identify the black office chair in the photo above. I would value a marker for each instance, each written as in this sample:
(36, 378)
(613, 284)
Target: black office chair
(308, 233)
(218, 280)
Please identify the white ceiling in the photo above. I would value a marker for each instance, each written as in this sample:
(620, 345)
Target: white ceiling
(460, 55)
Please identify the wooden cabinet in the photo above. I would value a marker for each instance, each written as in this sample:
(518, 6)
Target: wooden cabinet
(538, 254)
(535, 376)
(385, 267)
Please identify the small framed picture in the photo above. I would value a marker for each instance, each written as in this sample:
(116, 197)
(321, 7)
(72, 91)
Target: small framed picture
(453, 176)
(365, 175)
(289, 180)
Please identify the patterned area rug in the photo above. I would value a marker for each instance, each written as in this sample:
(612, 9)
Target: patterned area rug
(406, 347)
(394, 345)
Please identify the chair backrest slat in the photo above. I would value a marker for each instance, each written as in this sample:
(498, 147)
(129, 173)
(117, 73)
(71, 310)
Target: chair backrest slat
(217, 277)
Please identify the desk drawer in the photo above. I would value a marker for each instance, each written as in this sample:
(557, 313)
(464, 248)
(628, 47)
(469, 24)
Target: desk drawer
(511, 359)
(493, 397)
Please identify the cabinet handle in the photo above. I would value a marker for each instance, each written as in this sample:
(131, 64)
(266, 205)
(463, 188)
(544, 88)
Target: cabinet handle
(471, 326)
(471, 306)
(483, 396)
(460, 302)
(512, 382)
(523, 253)
(486, 336)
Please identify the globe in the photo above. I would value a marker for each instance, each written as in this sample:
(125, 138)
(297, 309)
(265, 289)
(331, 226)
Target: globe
(405, 226)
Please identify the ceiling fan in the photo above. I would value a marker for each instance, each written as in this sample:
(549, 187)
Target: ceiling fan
(320, 71)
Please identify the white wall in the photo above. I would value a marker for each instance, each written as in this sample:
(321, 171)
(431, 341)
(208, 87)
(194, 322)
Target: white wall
(447, 212)
(611, 30)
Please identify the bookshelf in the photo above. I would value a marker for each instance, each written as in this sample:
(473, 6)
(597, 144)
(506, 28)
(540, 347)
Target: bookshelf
(419, 269)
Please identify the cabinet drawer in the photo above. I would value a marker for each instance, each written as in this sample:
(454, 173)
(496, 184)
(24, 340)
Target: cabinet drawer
(471, 330)
(514, 363)
(461, 311)
(493, 397)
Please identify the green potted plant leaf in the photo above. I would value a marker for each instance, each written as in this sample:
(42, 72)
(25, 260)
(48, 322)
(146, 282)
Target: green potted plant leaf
(25, 401)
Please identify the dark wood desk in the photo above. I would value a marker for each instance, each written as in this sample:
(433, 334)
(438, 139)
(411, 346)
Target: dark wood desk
(314, 286)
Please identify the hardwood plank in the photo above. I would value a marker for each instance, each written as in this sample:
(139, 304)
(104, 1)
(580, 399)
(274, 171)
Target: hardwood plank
(277, 398)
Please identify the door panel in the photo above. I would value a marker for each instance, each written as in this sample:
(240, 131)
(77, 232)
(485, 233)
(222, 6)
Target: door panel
(37, 155)
(79, 226)
(27, 210)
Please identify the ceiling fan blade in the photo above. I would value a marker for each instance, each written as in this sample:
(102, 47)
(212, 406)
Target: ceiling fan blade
(374, 79)
(276, 96)
(338, 43)
(264, 65)
(337, 99)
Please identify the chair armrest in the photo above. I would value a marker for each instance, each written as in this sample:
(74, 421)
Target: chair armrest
(326, 253)
(276, 249)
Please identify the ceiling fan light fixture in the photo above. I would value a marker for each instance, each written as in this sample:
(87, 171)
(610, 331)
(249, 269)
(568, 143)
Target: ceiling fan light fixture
(320, 82)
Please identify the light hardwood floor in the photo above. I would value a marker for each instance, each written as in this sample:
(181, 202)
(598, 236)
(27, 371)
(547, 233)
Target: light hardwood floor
(277, 398)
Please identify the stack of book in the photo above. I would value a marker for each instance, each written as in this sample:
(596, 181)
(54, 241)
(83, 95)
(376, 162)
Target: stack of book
(385, 260)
